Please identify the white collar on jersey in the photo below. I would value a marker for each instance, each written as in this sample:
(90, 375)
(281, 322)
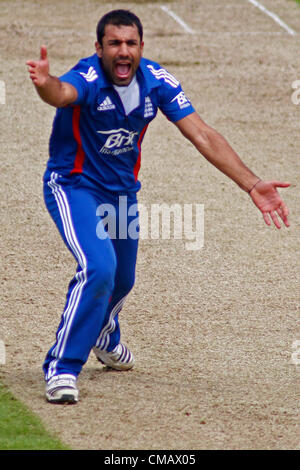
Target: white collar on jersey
(129, 95)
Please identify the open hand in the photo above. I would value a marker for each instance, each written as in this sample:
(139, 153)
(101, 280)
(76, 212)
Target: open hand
(39, 69)
(266, 197)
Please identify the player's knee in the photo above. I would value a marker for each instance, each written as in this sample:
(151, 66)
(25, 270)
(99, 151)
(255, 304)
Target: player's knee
(102, 274)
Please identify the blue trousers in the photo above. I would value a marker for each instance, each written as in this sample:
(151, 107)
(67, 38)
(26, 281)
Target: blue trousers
(106, 260)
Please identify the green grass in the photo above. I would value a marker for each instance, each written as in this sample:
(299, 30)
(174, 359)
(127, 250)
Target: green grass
(20, 429)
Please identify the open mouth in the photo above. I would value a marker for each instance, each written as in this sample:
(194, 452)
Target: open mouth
(123, 69)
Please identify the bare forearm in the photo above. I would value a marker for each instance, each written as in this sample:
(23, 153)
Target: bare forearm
(55, 92)
(214, 147)
(219, 153)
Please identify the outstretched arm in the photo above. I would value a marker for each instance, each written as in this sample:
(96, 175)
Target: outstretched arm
(50, 88)
(219, 153)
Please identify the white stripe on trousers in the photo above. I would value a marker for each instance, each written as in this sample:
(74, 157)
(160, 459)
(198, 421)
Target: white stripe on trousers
(81, 276)
(103, 340)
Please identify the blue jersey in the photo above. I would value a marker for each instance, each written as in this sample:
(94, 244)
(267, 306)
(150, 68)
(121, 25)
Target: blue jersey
(95, 137)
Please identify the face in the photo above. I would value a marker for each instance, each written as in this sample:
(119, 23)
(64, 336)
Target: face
(121, 53)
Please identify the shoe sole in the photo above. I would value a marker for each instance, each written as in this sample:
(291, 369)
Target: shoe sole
(64, 399)
(116, 366)
(110, 363)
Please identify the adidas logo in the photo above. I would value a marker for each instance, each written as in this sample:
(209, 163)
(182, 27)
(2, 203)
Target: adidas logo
(149, 111)
(162, 74)
(106, 105)
(91, 74)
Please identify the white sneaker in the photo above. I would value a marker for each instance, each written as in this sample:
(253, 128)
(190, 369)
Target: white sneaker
(120, 358)
(62, 389)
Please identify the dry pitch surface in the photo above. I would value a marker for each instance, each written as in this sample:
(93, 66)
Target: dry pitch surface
(212, 330)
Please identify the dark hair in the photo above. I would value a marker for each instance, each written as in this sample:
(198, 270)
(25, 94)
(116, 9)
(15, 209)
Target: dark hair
(118, 18)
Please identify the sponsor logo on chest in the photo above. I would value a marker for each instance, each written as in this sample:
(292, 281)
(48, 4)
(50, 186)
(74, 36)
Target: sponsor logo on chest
(118, 141)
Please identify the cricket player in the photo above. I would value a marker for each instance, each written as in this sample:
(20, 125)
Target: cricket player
(104, 106)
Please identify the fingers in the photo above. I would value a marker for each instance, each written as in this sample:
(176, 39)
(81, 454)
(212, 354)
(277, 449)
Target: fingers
(38, 69)
(266, 218)
(32, 69)
(43, 56)
(271, 215)
(43, 53)
(275, 219)
(281, 184)
(31, 63)
(268, 200)
(282, 212)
